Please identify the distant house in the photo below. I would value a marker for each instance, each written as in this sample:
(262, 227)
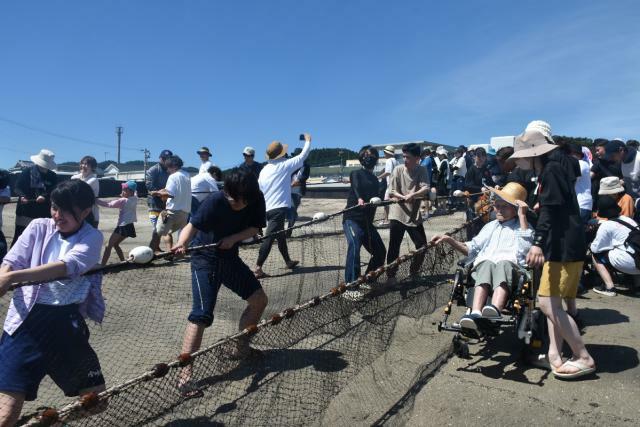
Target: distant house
(125, 172)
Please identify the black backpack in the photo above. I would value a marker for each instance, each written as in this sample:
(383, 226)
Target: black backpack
(632, 241)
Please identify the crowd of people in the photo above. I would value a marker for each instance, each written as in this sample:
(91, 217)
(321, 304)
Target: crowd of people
(550, 198)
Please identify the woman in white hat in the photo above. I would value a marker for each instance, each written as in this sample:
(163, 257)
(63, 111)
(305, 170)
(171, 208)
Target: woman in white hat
(559, 247)
(33, 188)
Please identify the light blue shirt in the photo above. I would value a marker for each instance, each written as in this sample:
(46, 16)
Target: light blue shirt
(501, 241)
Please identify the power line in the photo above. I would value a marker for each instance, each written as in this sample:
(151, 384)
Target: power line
(59, 135)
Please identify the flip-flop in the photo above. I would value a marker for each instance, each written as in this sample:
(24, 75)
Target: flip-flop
(583, 370)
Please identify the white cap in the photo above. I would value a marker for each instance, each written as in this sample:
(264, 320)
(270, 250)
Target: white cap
(249, 151)
(441, 150)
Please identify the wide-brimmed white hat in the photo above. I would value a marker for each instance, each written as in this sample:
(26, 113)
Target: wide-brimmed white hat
(541, 126)
(44, 159)
(390, 149)
(610, 185)
(532, 143)
(441, 150)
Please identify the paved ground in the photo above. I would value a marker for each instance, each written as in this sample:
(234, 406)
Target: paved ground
(493, 387)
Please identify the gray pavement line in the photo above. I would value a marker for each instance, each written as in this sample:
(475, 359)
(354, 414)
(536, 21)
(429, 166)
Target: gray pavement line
(405, 404)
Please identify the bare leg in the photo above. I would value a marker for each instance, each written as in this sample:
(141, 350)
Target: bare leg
(500, 297)
(168, 240)
(571, 305)
(603, 273)
(480, 294)
(256, 304)
(115, 241)
(10, 407)
(561, 326)
(191, 342)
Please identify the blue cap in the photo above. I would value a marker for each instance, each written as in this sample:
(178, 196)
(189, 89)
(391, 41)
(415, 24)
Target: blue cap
(130, 185)
(166, 153)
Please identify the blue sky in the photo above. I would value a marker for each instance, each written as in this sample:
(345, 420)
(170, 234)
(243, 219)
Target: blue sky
(225, 74)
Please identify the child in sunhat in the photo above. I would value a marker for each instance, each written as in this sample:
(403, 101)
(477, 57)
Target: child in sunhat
(499, 252)
(558, 247)
(127, 204)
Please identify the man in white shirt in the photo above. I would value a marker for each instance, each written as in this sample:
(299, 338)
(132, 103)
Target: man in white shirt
(500, 250)
(609, 248)
(178, 194)
(275, 184)
(205, 156)
(202, 186)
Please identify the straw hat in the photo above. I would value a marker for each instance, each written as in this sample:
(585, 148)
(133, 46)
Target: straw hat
(510, 193)
(389, 149)
(610, 185)
(531, 143)
(44, 159)
(276, 149)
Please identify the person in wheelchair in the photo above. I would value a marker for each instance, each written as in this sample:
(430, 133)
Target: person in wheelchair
(499, 253)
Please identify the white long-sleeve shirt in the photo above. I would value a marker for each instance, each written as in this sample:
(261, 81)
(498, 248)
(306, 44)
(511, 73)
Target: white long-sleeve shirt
(275, 179)
(501, 241)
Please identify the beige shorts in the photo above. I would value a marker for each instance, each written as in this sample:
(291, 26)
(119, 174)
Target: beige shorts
(171, 221)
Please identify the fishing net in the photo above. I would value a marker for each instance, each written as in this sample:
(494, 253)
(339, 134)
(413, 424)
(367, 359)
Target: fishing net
(312, 340)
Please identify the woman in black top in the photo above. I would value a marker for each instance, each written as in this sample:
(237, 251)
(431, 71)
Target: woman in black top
(357, 222)
(558, 247)
(33, 188)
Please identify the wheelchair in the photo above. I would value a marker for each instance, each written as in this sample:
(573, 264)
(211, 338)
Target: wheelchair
(520, 315)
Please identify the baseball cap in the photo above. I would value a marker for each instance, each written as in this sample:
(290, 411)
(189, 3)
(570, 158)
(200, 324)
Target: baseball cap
(165, 154)
(613, 146)
(249, 151)
(130, 185)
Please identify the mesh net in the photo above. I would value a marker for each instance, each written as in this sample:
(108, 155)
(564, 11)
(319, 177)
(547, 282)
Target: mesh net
(312, 341)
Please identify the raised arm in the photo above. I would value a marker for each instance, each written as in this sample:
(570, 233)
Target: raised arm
(296, 162)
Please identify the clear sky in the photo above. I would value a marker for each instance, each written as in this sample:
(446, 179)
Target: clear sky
(225, 74)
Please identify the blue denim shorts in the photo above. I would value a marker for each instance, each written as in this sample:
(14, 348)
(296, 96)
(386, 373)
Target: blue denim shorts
(208, 273)
(54, 341)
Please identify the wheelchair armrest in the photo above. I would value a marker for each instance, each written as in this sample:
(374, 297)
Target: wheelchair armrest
(466, 262)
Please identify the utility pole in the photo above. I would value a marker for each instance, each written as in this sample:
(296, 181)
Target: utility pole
(147, 155)
(119, 133)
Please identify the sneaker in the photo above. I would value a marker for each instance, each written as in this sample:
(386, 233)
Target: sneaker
(608, 292)
(468, 321)
(490, 311)
(356, 295)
